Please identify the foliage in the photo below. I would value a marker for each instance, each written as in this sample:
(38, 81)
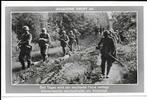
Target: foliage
(126, 22)
(78, 61)
(33, 20)
(83, 22)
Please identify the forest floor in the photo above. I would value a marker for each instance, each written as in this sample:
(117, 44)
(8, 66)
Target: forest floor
(82, 67)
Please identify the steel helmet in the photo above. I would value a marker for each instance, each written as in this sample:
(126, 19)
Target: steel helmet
(64, 32)
(43, 30)
(26, 28)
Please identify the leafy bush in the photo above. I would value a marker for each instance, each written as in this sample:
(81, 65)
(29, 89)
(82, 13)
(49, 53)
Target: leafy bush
(34, 21)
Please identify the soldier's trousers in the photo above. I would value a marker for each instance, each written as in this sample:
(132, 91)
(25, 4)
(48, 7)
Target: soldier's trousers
(64, 51)
(71, 46)
(25, 53)
(63, 45)
(77, 41)
(43, 51)
(109, 61)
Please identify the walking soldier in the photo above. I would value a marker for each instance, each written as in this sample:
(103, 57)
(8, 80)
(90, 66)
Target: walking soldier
(64, 41)
(44, 41)
(107, 49)
(71, 40)
(77, 34)
(25, 47)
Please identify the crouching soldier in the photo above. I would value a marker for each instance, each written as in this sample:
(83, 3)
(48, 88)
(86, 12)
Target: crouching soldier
(64, 41)
(25, 47)
(44, 41)
(107, 49)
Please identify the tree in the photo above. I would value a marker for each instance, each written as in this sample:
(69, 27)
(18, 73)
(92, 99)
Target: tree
(125, 22)
(33, 20)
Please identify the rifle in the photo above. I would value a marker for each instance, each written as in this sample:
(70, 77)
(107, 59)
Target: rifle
(17, 45)
(64, 42)
(122, 64)
(20, 41)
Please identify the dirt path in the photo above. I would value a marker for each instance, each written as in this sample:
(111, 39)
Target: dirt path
(74, 72)
(116, 75)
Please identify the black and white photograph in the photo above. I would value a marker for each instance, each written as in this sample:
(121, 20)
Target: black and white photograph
(74, 46)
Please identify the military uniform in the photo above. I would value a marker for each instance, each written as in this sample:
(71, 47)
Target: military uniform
(25, 49)
(71, 40)
(63, 40)
(107, 49)
(43, 44)
(77, 34)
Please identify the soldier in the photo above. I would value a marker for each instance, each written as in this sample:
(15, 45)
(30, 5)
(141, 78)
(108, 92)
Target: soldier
(77, 34)
(107, 51)
(64, 41)
(44, 41)
(25, 47)
(71, 40)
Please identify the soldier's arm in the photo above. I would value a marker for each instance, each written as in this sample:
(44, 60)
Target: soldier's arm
(100, 42)
(49, 39)
(67, 39)
(98, 47)
(40, 37)
(46, 40)
(30, 39)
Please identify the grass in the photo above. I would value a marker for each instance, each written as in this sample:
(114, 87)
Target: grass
(129, 57)
(80, 68)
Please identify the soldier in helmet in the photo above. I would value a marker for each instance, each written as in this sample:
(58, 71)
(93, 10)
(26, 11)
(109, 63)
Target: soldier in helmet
(107, 49)
(71, 40)
(44, 41)
(77, 34)
(64, 39)
(25, 47)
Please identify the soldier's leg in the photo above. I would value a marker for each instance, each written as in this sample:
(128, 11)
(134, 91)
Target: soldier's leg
(70, 46)
(21, 58)
(103, 64)
(42, 51)
(64, 51)
(109, 64)
(77, 43)
(28, 57)
(44, 54)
